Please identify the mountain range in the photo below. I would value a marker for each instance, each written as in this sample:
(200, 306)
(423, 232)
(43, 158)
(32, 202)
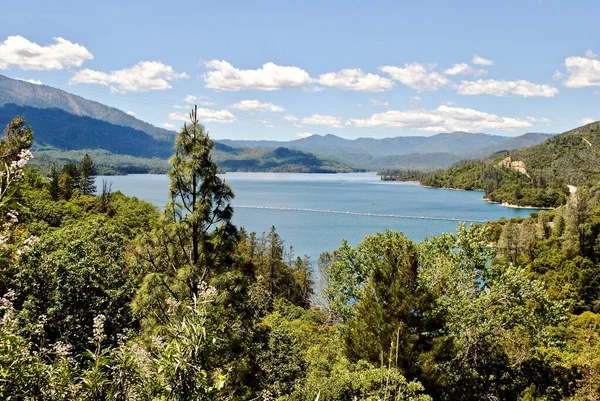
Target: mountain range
(66, 124)
(413, 152)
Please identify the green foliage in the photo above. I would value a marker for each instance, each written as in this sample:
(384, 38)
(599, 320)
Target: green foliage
(87, 176)
(103, 298)
(540, 179)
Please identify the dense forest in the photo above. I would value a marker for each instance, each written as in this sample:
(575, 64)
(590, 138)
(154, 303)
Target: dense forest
(534, 176)
(104, 297)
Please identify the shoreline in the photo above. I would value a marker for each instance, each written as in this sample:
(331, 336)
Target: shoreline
(504, 204)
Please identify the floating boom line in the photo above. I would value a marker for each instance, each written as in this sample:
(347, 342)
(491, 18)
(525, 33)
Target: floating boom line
(393, 216)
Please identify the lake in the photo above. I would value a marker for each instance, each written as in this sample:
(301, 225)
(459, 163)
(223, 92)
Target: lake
(315, 212)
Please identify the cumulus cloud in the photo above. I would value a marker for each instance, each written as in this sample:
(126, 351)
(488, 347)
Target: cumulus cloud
(357, 80)
(304, 134)
(538, 120)
(144, 76)
(167, 126)
(481, 61)
(503, 88)
(255, 105)
(131, 113)
(586, 121)
(582, 71)
(319, 119)
(464, 69)
(442, 119)
(206, 116)
(292, 119)
(17, 51)
(31, 81)
(378, 103)
(417, 76)
(224, 76)
(190, 99)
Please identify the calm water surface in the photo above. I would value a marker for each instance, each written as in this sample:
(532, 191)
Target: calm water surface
(313, 231)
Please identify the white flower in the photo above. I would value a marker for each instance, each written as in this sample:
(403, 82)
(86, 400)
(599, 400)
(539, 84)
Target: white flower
(99, 327)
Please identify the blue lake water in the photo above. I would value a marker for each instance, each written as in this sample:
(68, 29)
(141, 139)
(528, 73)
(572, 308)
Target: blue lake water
(315, 212)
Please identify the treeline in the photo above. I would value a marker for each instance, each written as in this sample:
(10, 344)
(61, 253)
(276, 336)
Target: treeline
(403, 175)
(106, 298)
(106, 163)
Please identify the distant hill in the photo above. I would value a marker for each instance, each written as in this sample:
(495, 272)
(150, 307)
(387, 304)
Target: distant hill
(533, 176)
(276, 160)
(55, 129)
(375, 153)
(41, 96)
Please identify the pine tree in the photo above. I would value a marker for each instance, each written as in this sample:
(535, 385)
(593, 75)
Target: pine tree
(87, 176)
(54, 188)
(70, 169)
(196, 239)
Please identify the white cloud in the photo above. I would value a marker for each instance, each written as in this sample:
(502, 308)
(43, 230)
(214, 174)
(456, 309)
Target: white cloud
(16, 51)
(144, 76)
(417, 76)
(481, 61)
(442, 119)
(538, 120)
(31, 81)
(378, 103)
(503, 88)
(586, 121)
(357, 80)
(131, 113)
(292, 119)
(190, 99)
(319, 119)
(464, 69)
(224, 76)
(304, 134)
(557, 75)
(167, 126)
(582, 71)
(206, 116)
(591, 54)
(289, 117)
(257, 106)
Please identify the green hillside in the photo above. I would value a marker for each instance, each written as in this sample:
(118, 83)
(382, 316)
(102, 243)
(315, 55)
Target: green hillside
(535, 176)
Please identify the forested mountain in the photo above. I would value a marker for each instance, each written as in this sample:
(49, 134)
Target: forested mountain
(375, 153)
(539, 175)
(281, 160)
(60, 130)
(42, 96)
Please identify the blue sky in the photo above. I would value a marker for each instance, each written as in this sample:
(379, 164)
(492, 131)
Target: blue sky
(286, 69)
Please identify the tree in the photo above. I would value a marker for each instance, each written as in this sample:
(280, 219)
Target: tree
(87, 175)
(195, 240)
(14, 155)
(54, 187)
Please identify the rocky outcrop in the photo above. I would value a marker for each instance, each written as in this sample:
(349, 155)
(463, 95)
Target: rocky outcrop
(516, 165)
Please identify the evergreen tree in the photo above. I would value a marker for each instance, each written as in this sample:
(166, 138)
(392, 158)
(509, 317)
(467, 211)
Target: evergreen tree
(54, 187)
(196, 239)
(71, 170)
(87, 175)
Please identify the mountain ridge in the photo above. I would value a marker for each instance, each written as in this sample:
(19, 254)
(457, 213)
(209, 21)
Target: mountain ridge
(23, 93)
